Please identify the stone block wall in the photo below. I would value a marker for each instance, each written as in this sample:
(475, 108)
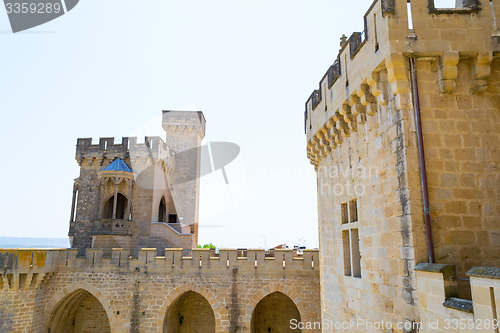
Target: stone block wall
(461, 138)
(361, 135)
(39, 288)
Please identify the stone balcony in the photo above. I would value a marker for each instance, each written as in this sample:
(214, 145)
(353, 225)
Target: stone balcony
(112, 227)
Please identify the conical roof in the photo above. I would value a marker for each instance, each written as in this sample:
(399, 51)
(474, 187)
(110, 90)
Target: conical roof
(117, 165)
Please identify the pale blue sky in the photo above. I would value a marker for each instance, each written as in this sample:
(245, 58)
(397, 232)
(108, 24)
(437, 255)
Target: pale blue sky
(108, 68)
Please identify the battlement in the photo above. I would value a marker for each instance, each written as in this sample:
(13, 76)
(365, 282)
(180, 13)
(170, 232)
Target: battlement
(180, 121)
(438, 300)
(153, 146)
(35, 262)
(372, 65)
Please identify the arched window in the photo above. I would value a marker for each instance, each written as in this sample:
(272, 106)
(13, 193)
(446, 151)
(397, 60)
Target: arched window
(162, 211)
(121, 207)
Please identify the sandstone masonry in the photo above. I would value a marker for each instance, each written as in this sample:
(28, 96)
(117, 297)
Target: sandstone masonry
(362, 140)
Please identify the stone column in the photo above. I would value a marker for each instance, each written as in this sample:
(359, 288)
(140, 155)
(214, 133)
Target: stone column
(129, 201)
(115, 198)
(101, 198)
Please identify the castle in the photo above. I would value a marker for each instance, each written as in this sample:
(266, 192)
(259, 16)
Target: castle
(404, 133)
(133, 265)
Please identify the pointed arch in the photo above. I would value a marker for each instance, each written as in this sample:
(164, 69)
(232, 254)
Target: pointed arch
(64, 310)
(292, 294)
(275, 313)
(121, 206)
(162, 210)
(219, 311)
(190, 312)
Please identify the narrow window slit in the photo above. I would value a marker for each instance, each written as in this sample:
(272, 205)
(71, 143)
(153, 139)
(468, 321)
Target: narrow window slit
(410, 19)
(494, 26)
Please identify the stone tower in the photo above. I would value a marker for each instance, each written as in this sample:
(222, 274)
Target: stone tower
(134, 195)
(404, 134)
(185, 130)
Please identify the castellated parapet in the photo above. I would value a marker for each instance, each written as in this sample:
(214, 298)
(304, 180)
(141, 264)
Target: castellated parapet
(361, 137)
(106, 151)
(134, 265)
(54, 290)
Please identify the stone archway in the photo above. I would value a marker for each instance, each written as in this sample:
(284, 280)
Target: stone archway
(189, 313)
(121, 207)
(78, 312)
(275, 313)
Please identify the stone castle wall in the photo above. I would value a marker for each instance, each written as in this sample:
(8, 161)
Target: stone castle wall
(361, 139)
(44, 289)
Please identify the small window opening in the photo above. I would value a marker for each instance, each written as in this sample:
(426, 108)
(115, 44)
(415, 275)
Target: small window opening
(353, 210)
(347, 253)
(172, 218)
(346, 79)
(375, 30)
(162, 211)
(344, 213)
(410, 19)
(352, 254)
(355, 254)
(121, 205)
(494, 26)
(447, 4)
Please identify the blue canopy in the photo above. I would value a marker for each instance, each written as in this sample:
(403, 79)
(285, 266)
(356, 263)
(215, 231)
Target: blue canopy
(117, 165)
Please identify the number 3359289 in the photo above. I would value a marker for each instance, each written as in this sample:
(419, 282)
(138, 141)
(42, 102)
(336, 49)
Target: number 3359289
(32, 8)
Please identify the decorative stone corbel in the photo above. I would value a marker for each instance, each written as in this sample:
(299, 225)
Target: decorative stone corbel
(448, 72)
(339, 123)
(342, 127)
(378, 87)
(328, 125)
(397, 73)
(359, 101)
(334, 134)
(349, 119)
(482, 71)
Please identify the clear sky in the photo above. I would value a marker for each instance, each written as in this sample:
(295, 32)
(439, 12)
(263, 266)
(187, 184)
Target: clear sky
(108, 68)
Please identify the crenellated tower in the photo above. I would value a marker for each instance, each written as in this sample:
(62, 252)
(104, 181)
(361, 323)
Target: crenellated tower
(404, 134)
(136, 195)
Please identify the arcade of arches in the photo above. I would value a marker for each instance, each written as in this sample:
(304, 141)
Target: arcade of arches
(81, 312)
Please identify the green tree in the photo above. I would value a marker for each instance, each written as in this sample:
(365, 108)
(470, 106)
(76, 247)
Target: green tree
(207, 246)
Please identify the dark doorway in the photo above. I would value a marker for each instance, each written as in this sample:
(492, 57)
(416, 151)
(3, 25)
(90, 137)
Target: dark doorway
(121, 206)
(172, 218)
(162, 211)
